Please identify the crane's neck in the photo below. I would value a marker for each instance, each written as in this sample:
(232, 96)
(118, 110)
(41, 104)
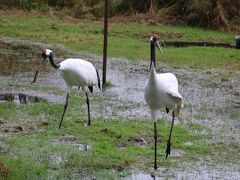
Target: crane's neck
(152, 74)
(54, 64)
(153, 56)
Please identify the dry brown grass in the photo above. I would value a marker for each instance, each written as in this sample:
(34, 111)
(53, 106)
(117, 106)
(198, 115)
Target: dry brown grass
(4, 170)
(223, 15)
(215, 14)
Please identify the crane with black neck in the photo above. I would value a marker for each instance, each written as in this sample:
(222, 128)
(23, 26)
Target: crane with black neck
(75, 72)
(161, 91)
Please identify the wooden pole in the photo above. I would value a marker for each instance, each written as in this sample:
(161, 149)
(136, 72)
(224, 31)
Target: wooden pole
(105, 43)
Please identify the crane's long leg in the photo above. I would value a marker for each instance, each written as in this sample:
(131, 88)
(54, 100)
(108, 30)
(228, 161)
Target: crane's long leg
(87, 101)
(38, 71)
(65, 108)
(155, 138)
(35, 77)
(168, 150)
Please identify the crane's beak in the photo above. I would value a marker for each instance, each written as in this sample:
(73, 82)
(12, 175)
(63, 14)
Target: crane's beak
(158, 46)
(39, 68)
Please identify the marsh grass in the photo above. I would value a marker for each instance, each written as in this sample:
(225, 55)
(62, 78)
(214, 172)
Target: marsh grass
(34, 87)
(111, 141)
(128, 40)
(27, 154)
(33, 152)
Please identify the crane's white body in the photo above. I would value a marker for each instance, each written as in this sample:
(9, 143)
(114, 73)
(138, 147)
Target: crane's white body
(78, 72)
(161, 91)
(75, 72)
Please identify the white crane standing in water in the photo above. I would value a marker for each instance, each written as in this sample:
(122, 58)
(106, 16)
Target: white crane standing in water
(161, 91)
(75, 72)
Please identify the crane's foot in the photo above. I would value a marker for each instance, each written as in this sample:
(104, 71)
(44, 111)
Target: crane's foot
(168, 150)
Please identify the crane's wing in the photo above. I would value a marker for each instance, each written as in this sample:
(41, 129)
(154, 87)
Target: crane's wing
(177, 98)
(168, 82)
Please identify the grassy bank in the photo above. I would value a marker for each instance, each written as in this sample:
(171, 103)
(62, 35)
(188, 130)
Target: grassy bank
(128, 40)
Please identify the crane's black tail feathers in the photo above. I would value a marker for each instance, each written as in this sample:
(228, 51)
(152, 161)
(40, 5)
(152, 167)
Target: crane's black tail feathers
(167, 110)
(99, 81)
(90, 88)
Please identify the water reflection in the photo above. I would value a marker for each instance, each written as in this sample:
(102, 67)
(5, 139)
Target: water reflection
(20, 98)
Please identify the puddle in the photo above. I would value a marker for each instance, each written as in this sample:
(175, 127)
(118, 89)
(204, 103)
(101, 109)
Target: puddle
(10, 127)
(198, 174)
(57, 160)
(70, 141)
(3, 148)
(204, 172)
(20, 98)
(141, 141)
(141, 176)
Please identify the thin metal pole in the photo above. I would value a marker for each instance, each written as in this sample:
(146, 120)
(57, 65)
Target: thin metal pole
(105, 43)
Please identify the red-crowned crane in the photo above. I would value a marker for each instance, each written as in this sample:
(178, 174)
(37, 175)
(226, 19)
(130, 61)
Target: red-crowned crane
(161, 91)
(75, 72)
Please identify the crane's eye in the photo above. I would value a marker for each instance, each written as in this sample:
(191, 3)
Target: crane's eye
(44, 55)
(153, 39)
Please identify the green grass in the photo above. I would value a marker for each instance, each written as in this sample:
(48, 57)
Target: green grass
(28, 86)
(201, 57)
(128, 40)
(28, 153)
(33, 150)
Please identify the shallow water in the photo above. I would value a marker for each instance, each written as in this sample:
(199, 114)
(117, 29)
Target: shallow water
(209, 100)
(20, 98)
(70, 141)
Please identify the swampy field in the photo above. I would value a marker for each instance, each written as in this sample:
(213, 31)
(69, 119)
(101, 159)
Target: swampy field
(119, 143)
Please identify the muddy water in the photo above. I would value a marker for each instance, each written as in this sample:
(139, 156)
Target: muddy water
(210, 99)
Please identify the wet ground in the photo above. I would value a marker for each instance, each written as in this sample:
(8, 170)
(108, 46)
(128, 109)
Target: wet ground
(211, 99)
